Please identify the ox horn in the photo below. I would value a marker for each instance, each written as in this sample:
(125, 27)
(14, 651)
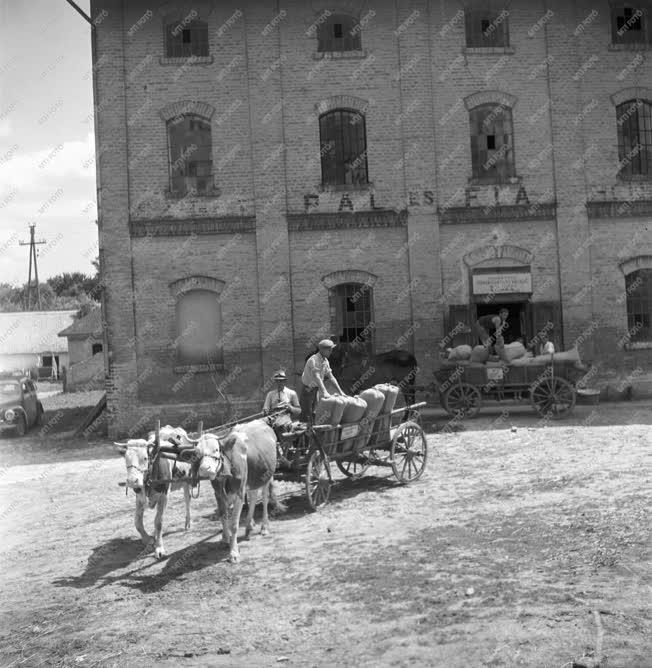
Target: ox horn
(122, 447)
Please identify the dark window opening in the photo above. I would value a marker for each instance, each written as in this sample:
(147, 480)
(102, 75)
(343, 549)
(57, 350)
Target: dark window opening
(638, 286)
(96, 348)
(634, 121)
(343, 145)
(185, 42)
(338, 33)
(491, 142)
(486, 28)
(354, 322)
(628, 24)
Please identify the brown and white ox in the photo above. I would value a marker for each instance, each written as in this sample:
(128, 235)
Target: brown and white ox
(137, 463)
(243, 461)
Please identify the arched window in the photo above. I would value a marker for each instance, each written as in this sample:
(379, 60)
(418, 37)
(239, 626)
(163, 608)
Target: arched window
(199, 328)
(634, 119)
(638, 288)
(492, 145)
(343, 142)
(186, 38)
(338, 32)
(190, 146)
(353, 314)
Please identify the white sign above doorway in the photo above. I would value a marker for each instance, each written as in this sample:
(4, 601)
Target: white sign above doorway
(484, 284)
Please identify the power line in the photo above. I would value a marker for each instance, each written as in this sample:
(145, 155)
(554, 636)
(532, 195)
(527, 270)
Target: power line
(32, 243)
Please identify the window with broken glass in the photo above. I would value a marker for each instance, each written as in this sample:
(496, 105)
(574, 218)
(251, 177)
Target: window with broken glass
(190, 147)
(492, 152)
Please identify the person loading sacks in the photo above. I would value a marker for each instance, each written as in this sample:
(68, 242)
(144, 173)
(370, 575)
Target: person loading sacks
(315, 372)
(490, 328)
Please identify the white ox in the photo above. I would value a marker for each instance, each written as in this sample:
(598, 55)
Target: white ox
(137, 462)
(245, 460)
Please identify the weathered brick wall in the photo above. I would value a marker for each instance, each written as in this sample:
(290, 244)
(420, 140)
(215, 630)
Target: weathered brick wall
(265, 85)
(113, 204)
(317, 254)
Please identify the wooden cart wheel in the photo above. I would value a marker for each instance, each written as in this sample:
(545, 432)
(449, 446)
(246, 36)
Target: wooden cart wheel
(553, 397)
(318, 484)
(352, 469)
(463, 399)
(409, 452)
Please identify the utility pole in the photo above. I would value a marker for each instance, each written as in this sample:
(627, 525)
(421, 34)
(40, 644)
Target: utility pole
(32, 254)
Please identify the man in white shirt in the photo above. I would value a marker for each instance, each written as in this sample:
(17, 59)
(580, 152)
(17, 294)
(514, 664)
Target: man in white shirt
(282, 398)
(546, 347)
(315, 372)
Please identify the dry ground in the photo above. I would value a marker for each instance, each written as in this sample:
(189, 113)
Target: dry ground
(526, 548)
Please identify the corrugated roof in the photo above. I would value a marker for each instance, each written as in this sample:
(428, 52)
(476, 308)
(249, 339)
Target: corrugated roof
(90, 324)
(26, 332)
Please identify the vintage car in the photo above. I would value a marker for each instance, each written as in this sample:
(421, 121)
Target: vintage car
(20, 408)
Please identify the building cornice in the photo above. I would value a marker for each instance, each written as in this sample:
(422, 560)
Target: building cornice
(497, 214)
(304, 222)
(190, 226)
(619, 208)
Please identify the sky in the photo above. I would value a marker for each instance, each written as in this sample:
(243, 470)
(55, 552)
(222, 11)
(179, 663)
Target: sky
(47, 168)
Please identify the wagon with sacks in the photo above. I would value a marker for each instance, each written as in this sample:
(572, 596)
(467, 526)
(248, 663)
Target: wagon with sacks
(548, 382)
(354, 433)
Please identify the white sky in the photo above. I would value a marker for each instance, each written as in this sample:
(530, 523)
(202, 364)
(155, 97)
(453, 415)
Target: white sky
(47, 168)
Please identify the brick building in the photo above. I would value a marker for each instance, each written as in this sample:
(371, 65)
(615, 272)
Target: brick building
(270, 174)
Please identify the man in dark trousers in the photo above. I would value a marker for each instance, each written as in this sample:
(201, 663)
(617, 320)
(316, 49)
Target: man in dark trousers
(490, 328)
(315, 372)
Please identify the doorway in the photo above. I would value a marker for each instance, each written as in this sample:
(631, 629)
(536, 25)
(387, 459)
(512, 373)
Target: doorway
(516, 320)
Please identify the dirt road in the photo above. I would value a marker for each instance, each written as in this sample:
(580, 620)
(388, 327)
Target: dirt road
(525, 548)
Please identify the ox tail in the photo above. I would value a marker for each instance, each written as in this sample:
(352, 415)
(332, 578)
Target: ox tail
(276, 503)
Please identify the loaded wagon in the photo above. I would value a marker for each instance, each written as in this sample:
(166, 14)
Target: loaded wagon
(551, 388)
(306, 454)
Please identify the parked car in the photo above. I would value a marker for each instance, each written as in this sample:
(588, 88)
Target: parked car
(20, 408)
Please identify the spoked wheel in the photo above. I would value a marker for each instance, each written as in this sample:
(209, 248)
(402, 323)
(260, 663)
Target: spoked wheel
(352, 469)
(553, 397)
(462, 399)
(409, 452)
(318, 484)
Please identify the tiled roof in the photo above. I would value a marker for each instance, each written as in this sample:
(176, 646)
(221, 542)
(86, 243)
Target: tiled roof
(27, 332)
(90, 324)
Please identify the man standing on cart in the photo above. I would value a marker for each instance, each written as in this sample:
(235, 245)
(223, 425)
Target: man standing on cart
(315, 372)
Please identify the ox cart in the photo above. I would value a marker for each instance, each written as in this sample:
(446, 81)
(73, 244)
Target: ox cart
(550, 388)
(305, 455)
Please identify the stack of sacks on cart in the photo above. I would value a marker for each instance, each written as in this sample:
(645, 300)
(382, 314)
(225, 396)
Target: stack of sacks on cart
(362, 409)
(514, 354)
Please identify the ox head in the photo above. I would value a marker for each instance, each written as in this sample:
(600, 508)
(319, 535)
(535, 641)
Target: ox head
(210, 452)
(175, 435)
(135, 453)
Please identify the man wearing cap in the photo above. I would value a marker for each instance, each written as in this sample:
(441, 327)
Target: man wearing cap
(282, 398)
(315, 372)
